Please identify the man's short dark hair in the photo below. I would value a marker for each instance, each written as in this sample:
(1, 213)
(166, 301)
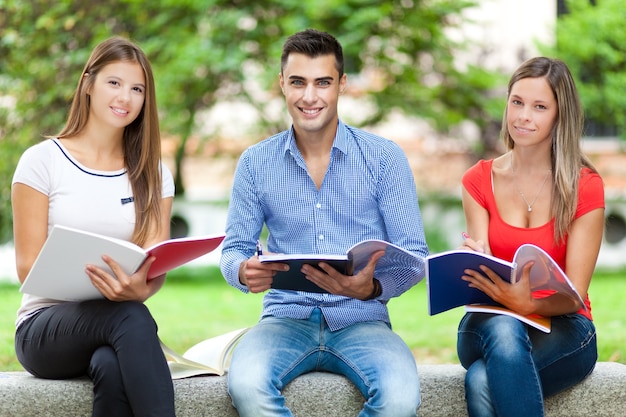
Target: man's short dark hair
(313, 43)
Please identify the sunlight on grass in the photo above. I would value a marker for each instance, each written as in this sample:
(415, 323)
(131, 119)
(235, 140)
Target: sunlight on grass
(9, 303)
(190, 311)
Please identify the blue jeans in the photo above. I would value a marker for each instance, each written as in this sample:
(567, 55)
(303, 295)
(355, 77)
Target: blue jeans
(115, 344)
(511, 367)
(277, 350)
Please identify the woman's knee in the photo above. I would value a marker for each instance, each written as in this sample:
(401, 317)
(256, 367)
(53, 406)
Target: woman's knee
(477, 392)
(476, 377)
(501, 335)
(109, 392)
(136, 316)
(104, 367)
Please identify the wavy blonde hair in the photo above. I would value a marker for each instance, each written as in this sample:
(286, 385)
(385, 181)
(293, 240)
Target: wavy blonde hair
(566, 156)
(142, 138)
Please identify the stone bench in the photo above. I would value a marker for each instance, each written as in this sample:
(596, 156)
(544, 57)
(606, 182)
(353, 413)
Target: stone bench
(318, 394)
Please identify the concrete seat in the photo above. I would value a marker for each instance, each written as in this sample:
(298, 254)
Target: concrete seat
(602, 394)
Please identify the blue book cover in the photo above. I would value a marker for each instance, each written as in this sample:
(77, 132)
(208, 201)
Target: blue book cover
(446, 289)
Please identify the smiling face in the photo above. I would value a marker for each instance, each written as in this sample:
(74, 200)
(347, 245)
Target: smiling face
(531, 111)
(117, 95)
(311, 87)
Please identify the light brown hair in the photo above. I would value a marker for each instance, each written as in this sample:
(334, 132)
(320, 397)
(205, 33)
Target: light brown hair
(141, 139)
(566, 155)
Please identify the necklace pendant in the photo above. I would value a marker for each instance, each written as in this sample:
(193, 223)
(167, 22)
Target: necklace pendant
(530, 209)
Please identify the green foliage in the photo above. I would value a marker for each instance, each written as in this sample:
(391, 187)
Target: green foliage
(592, 41)
(9, 158)
(207, 51)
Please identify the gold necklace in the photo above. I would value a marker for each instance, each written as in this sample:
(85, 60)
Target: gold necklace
(519, 190)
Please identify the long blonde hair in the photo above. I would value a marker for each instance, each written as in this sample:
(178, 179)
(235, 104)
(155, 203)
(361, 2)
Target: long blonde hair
(567, 157)
(141, 139)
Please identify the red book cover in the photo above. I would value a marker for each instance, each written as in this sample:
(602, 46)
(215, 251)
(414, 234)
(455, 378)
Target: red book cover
(173, 253)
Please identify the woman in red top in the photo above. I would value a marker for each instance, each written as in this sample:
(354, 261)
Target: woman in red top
(542, 191)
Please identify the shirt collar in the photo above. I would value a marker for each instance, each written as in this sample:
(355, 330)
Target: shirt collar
(340, 142)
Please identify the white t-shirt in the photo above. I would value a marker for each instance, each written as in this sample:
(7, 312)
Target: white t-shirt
(79, 197)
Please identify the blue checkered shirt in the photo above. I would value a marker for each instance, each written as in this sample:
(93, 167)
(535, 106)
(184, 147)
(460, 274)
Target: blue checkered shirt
(368, 192)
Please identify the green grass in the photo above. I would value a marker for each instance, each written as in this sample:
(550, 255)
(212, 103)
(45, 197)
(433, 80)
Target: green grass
(196, 303)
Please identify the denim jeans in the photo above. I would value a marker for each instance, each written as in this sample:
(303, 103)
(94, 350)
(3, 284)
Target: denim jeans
(277, 350)
(512, 367)
(115, 344)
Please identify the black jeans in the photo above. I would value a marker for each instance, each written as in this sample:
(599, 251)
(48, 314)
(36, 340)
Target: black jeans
(114, 343)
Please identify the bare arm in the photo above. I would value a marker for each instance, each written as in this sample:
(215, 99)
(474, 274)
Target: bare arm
(30, 226)
(583, 247)
(477, 221)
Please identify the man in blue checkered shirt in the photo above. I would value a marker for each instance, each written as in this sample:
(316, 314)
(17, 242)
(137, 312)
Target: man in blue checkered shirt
(320, 187)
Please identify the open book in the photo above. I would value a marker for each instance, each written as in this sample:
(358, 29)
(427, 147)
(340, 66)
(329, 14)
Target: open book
(348, 264)
(446, 289)
(539, 322)
(209, 357)
(59, 270)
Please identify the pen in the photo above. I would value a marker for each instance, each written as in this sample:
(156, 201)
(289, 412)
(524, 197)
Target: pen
(259, 248)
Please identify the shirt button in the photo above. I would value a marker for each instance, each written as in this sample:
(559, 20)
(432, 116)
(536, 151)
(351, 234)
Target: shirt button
(321, 237)
(318, 205)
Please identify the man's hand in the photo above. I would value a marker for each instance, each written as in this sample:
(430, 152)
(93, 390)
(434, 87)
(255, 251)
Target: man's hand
(257, 276)
(358, 286)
